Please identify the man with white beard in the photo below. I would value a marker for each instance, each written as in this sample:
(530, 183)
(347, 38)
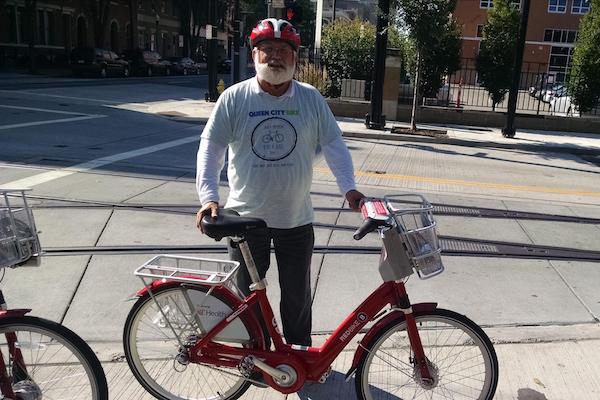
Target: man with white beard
(272, 125)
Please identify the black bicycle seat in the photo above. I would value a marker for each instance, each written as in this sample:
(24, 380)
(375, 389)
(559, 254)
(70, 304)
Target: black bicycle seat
(230, 223)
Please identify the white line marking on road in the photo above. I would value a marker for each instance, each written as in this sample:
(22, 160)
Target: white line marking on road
(42, 110)
(50, 121)
(13, 92)
(99, 162)
(80, 117)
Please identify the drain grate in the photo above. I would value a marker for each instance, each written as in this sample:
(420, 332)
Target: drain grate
(467, 247)
(455, 210)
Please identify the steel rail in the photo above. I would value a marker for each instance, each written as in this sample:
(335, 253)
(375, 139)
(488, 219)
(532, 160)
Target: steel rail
(438, 209)
(451, 246)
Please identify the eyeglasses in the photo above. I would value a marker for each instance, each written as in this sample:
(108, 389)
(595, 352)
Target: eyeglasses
(271, 51)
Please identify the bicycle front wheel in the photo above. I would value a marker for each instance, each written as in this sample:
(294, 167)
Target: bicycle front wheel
(155, 336)
(44, 359)
(460, 356)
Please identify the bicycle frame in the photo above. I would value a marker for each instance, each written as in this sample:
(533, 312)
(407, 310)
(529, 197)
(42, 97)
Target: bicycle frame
(314, 362)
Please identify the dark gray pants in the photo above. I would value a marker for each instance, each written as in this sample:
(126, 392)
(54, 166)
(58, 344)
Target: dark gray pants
(293, 252)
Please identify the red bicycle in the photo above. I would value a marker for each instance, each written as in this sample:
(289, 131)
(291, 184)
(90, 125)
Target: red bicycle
(39, 358)
(191, 335)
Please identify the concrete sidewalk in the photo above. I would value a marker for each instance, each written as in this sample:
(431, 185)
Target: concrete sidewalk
(541, 315)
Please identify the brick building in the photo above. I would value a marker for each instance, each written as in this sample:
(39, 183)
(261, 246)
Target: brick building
(551, 32)
(62, 25)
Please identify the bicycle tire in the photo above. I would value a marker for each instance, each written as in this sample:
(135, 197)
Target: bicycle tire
(151, 346)
(55, 360)
(450, 341)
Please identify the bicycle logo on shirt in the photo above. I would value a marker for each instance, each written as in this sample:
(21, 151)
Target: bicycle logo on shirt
(274, 139)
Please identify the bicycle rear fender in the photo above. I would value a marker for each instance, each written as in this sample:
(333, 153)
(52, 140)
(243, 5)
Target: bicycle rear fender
(17, 312)
(394, 316)
(249, 318)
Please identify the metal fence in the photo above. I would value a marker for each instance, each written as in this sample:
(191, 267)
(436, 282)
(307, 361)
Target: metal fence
(539, 92)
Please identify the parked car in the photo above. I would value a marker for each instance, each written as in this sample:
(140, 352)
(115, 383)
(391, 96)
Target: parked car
(98, 62)
(184, 65)
(147, 63)
(553, 91)
(539, 85)
(563, 106)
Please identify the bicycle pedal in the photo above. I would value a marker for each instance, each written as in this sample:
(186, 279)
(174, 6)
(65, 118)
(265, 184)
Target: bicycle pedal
(246, 367)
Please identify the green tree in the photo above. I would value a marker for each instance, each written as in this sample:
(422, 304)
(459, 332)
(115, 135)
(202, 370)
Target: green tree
(348, 50)
(497, 50)
(436, 38)
(584, 81)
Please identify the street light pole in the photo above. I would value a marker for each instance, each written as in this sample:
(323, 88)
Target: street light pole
(375, 120)
(509, 128)
(211, 38)
(236, 41)
(333, 16)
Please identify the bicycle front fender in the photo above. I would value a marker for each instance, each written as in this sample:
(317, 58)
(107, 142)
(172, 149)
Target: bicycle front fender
(394, 316)
(17, 312)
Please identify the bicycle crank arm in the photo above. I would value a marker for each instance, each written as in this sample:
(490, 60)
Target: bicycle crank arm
(277, 374)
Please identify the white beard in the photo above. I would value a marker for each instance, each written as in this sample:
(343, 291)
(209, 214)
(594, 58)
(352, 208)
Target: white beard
(275, 76)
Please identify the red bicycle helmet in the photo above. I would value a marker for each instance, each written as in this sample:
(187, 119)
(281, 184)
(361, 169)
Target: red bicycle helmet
(274, 29)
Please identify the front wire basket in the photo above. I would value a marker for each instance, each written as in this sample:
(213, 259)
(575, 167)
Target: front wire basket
(414, 219)
(19, 241)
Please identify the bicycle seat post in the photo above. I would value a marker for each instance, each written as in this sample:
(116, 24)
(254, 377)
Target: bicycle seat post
(257, 283)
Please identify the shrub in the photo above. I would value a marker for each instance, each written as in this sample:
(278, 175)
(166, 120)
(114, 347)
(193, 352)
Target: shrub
(314, 75)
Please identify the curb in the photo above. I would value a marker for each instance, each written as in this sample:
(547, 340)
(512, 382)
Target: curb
(400, 137)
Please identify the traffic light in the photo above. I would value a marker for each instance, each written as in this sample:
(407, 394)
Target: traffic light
(293, 13)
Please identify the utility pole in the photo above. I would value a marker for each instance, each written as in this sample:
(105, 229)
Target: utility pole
(509, 128)
(211, 38)
(375, 120)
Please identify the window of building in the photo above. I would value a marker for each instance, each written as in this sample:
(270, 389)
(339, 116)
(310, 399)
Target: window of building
(557, 6)
(66, 21)
(560, 63)
(580, 6)
(560, 35)
(51, 28)
(490, 3)
(42, 24)
(12, 24)
(22, 22)
(479, 30)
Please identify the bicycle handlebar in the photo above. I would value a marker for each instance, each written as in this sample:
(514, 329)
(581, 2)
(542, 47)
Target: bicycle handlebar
(375, 214)
(368, 226)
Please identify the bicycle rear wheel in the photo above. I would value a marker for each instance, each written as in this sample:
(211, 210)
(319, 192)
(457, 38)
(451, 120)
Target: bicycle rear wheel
(54, 363)
(459, 353)
(153, 335)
